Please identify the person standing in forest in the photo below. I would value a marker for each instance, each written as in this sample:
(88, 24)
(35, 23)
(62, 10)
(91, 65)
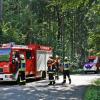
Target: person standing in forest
(66, 70)
(16, 60)
(22, 70)
(51, 70)
(57, 65)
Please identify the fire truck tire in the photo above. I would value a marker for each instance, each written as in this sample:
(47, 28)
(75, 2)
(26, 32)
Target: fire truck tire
(43, 74)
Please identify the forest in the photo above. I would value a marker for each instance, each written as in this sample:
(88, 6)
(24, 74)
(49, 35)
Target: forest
(70, 27)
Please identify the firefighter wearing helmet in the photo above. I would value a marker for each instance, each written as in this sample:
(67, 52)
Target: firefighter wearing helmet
(51, 70)
(66, 70)
(57, 65)
(22, 70)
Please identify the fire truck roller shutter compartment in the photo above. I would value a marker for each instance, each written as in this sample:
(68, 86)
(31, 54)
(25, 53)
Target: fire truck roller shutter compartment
(42, 57)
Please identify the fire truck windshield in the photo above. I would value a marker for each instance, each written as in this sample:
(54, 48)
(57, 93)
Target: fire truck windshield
(5, 54)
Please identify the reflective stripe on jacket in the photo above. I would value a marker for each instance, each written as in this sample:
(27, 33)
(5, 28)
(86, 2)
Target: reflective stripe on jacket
(51, 69)
(23, 65)
(66, 65)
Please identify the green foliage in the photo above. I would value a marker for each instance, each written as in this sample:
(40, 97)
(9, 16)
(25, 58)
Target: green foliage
(68, 4)
(98, 54)
(94, 40)
(93, 92)
(4, 58)
(94, 27)
(97, 83)
(71, 27)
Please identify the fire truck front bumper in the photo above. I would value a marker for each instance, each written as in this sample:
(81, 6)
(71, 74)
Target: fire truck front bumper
(7, 77)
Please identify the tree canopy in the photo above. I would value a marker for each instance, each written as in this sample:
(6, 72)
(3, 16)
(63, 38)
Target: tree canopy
(71, 27)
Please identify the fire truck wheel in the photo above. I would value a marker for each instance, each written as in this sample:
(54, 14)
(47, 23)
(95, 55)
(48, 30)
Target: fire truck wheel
(43, 74)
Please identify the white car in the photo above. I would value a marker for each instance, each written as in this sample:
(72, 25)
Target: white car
(93, 64)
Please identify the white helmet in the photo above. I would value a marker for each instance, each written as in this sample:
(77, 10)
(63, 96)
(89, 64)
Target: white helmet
(21, 56)
(66, 58)
(57, 56)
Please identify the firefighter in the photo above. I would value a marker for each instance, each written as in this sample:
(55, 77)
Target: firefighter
(51, 70)
(16, 60)
(22, 70)
(57, 65)
(66, 71)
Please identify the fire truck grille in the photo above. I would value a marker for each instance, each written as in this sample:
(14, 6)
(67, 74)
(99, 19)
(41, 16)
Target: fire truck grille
(1, 70)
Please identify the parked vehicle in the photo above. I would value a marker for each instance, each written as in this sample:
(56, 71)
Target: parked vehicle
(92, 65)
(36, 57)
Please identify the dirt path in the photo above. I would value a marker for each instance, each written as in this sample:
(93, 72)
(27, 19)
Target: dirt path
(39, 90)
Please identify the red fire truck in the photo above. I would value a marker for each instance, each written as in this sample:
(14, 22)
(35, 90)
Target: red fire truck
(36, 57)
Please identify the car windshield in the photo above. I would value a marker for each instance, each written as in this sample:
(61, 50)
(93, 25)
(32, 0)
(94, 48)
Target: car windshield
(91, 60)
(5, 54)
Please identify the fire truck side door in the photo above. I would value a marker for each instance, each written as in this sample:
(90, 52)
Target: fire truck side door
(29, 63)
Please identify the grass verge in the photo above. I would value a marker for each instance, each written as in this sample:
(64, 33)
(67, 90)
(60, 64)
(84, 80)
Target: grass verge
(93, 91)
(77, 71)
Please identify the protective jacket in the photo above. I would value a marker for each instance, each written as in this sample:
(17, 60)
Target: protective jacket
(51, 67)
(66, 65)
(22, 63)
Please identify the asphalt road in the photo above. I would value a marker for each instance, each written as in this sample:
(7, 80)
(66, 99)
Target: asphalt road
(39, 90)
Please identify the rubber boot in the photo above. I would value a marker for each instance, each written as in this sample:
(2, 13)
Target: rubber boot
(69, 81)
(50, 83)
(64, 82)
(53, 83)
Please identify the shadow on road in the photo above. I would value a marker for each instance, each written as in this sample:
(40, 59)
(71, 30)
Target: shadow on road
(42, 91)
(8, 83)
(39, 90)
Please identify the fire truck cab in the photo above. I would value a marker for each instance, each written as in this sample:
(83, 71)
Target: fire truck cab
(36, 57)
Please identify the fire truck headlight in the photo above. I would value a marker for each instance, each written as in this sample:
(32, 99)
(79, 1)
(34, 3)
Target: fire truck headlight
(9, 76)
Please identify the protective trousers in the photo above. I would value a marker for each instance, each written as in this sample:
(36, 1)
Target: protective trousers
(66, 73)
(22, 77)
(51, 79)
(56, 74)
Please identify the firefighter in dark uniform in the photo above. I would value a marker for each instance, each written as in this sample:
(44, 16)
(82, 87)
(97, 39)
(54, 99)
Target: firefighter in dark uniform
(57, 65)
(66, 70)
(22, 70)
(51, 70)
(16, 60)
